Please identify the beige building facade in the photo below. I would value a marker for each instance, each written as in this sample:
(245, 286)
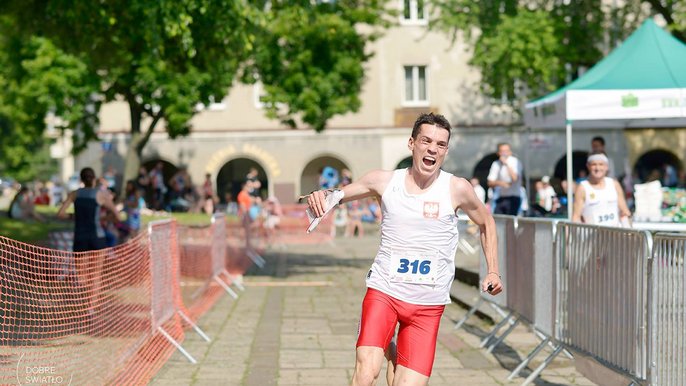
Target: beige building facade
(412, 71)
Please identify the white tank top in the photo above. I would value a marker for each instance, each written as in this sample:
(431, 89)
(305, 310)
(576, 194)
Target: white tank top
(600, 205)
(416, 259)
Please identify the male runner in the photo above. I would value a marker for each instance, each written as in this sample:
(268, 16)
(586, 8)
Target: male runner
(410, 278)
(600, 199)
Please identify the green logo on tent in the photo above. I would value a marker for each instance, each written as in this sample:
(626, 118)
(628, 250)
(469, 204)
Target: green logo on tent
(670, 102)
(629, 100)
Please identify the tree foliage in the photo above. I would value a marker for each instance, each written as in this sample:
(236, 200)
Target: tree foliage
(37, 77)
(164, 57)
(310, 58)
(674, 14)
(161, 57)
(525, 49)
(527, 57)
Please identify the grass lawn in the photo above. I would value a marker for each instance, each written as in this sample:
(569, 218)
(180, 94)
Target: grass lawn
(32, 231)
(36, 232)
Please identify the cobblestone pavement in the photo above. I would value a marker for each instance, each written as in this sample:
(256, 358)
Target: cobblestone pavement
(296, 324)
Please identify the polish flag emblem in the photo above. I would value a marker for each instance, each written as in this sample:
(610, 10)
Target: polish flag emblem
(430, 209)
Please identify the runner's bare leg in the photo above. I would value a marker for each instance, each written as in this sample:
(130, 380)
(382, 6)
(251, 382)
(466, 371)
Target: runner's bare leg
(368, 363)
(405, 376)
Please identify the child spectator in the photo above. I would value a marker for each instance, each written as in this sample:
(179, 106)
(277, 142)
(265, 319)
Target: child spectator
(132, 208)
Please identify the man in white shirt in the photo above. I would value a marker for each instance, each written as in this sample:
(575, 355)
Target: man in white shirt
(600, 199)
(506, 174)
(598, 146)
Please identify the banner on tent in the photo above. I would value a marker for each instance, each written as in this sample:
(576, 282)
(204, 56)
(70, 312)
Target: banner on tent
(625, 104)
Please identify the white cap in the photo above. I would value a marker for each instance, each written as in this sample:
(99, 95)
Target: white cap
(545, 179)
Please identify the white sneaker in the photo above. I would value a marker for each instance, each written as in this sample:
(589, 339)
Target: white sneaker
(332, 199)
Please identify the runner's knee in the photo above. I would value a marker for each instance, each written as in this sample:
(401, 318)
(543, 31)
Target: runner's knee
(367, 367)
(365, 374)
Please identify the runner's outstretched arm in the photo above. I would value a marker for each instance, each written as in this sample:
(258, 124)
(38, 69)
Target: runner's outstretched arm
(371, 184)
(464, 198)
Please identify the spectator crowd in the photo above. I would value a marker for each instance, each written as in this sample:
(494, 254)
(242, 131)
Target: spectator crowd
(504, 191)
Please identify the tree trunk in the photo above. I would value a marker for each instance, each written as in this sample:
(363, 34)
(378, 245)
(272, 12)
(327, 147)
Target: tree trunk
(133, 157)
(133, 154)
(139, 139)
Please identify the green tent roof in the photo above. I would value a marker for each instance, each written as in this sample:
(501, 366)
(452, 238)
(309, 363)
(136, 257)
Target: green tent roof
(650, 58)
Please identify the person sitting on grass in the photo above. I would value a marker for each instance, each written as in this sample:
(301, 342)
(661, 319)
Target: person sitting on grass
(22, 207)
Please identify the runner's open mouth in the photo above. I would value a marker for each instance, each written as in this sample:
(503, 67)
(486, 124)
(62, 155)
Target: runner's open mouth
(429, 161)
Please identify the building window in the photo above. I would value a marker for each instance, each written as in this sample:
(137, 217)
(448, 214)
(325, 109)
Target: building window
(258, 95)
(414, 12)
(213, 106)
(217, 106)
(415, 86)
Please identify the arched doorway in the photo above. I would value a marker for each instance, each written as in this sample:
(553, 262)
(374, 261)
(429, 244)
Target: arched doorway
(232, 175)
(578, 165)
(659, 164)
(168, 168)
(405, 163)
(309, 179)
(168, 171)
(482, 168)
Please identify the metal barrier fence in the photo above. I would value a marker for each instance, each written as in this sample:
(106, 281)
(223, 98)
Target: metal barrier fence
(668, 310)
(498, 302)
(607, 294)
(533, 287)
(538, 236)
(505, 229)
(603, 295)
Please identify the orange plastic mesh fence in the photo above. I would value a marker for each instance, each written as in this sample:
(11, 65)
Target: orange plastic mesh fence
(90, 318)
(294, 222)
(203, 257)
(218, 243)
(255, 236)
(240, 242)
(165, 277)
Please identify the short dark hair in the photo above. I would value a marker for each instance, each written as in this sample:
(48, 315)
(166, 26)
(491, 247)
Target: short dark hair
(430, 119)
(599, 139)
(497, 147)
(87, 176)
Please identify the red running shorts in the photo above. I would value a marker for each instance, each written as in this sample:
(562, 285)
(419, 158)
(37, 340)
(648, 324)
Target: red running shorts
(416, 344)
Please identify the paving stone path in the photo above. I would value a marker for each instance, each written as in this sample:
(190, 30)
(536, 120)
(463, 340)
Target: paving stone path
(296, 324)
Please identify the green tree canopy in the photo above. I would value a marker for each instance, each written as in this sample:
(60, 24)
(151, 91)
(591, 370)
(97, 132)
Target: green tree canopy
(164, 57)
(37, 77)
(310, 58)
(525, 49)
(161, 57)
